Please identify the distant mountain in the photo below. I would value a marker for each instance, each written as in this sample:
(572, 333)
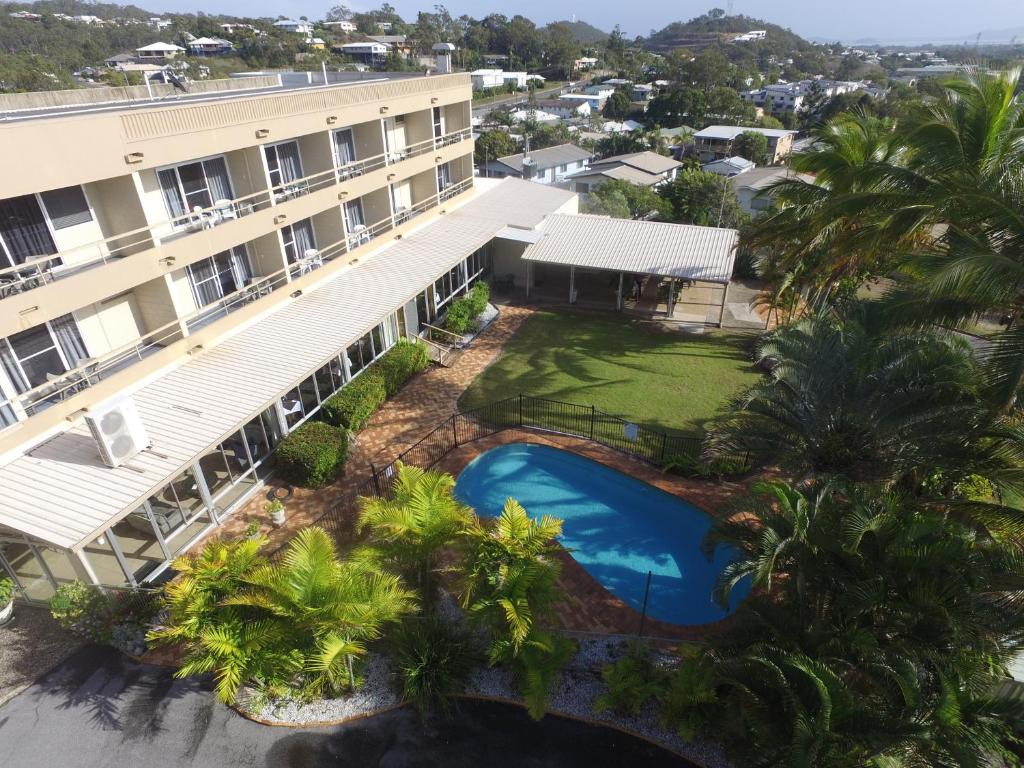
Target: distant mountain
(706, 30)
(584, 33)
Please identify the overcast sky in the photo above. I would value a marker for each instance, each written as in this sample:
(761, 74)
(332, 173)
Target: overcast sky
(886, 20)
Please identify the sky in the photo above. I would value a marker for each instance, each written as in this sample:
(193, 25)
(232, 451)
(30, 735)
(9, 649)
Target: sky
(847, 20)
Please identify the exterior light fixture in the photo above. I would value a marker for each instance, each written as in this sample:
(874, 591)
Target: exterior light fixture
(134, 157)
(262, 133)
(296, 294)
(332, 119)
(280, 218)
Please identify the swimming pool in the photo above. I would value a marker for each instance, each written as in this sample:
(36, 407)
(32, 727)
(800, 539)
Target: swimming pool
(618, 527)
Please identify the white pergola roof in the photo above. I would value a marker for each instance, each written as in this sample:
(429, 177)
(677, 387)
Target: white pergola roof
(62, 493)
(642, 247)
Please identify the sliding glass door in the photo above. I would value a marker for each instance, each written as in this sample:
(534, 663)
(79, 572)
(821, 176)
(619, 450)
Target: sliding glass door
(24, 232)
(194, 185)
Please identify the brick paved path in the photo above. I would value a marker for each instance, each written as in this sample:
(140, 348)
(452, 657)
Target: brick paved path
(425, 400)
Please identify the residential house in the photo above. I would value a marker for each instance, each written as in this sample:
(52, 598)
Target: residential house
(159, 24)
(594, 101)
(753, 188)
(567, 109)
(584, 64)
(26, 15)
(624, 126)
(400, 44)
(232, 28)
(210, 46)
(290, 25)
(347, 27)
(641, 92)
(385, 26)
(158, 52)
(495, 60)
(316, 44)
(791, 97)
(484, 79)
(729, 166)
(368, 52)
(645, 169)
(119, 60)
(550, 165)
(755, 34)
(533, 115)
(715, 142)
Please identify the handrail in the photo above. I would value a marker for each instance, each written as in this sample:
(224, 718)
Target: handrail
(442, 330)
(82, 377)
(40, 270)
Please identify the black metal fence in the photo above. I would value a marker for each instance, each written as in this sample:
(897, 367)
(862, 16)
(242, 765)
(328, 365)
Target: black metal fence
(521, 412)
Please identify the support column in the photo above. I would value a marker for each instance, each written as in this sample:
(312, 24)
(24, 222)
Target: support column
(529, 277)
(618, 296)
(81, 565)
(721, 311)
(572, 285)
(671, 298)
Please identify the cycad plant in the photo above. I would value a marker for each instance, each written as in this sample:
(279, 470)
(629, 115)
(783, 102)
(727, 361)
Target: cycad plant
(411, 528)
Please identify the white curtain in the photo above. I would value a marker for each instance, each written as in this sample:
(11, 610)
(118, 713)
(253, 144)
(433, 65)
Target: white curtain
(217, 176)
(70, 341)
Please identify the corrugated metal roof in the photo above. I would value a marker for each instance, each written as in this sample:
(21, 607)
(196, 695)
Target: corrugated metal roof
(623, 172)
(651, 162)
(549, 157)
(62, 493)
(643, 247)
(730, 132)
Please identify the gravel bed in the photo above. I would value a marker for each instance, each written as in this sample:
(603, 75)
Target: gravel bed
(484, 319)
(31, 645)
(574, 696)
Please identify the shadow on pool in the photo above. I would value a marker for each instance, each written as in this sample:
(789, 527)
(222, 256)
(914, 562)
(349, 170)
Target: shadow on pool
(479, 735)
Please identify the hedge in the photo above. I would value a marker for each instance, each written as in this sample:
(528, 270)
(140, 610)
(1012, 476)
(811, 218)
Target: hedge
(312, 455)
(357, 400)
(401, 363)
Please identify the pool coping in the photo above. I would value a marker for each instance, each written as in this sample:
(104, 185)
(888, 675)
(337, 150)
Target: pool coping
(591, 607)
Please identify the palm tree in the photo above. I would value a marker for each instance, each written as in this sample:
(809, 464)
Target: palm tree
(844, 399)
(511, 575)
(411, 528)
(326, 608)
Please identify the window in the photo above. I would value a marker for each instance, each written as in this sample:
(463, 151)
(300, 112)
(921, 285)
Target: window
(444, 177)
(66, 207)
(344, 148)
(220, 275)
(284, 164)
(23, 231)
(438, 115)
(30, 357)
(354, 215)
(561, 168)
(194, 185)
(401, 196)
(298, 238)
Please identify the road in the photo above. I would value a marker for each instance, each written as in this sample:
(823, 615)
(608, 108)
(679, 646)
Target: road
(99, 709)
(519, 98)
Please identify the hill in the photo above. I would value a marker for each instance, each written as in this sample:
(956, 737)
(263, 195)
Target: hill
(712, 29)
(584, 33)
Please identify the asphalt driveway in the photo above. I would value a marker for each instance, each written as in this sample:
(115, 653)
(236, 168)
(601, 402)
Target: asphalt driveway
(99, 709)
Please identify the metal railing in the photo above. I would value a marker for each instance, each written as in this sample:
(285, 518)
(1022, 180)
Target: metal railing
(93, 370)
(518, 412)
(41, 270)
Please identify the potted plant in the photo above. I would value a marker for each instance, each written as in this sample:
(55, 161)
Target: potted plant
(6, 600)
(275, 509)
(252, 530)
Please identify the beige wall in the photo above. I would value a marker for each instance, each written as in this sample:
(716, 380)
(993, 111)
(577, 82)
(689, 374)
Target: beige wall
(119, 210)
(155, 302)
(266, 254)
(423, 185)
(110, 324)
(368, 139)
(506, 259)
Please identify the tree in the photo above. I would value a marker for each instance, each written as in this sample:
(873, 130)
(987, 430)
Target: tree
(298, 623)
(621, 143)
(492, 145)
(848, 396)
(411, 527)
(753, 146)
(560, 50)
(338, 13)
(703, 198)
(624, 200)
(618, 106)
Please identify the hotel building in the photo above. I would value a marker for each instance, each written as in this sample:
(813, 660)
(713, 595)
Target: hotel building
(184, 281)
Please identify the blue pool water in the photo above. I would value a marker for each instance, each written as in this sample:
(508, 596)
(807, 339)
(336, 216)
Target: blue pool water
(618, 528)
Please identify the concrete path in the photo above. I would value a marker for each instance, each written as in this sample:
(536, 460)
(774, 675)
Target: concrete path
(100, 709)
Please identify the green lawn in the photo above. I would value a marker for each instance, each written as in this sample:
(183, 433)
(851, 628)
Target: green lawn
(660, 378)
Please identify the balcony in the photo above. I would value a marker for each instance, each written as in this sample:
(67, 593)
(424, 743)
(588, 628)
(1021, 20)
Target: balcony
(38, 272)
(95, 370)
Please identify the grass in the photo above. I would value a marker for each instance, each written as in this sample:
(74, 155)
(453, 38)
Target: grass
(660, 378)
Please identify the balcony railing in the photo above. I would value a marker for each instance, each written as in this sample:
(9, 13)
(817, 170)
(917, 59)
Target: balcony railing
(94, 370)
(42, 270)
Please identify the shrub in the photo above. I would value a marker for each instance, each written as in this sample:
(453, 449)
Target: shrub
(460, 316)
(401, 363)
(82, 609)
(478, 298)
(433, 659)
(6, 591)
(689, 465)
(632, 681)
(355, 403)
(313, 454)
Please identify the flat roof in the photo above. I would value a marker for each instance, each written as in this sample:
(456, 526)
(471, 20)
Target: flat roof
(62, 493)
(642, 247)
(732, 131)
(345, 79)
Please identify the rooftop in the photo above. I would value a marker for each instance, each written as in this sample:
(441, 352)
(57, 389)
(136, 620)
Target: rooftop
(761, 178)
(548, 157)
(649, 162)
(730, 132)
(644, 247)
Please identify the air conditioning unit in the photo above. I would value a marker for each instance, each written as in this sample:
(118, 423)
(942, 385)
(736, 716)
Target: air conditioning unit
(118, 430)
